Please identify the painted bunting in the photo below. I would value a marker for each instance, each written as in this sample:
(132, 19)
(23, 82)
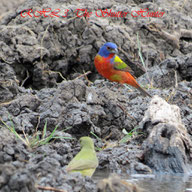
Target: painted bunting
(86, 160)
(110, 66)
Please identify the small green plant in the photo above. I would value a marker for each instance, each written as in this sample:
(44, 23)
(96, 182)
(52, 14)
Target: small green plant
(35, 140)
(139, 51)
(98, 138)
(129, 135)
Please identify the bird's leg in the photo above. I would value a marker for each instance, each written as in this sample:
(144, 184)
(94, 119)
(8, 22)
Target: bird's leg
(117, 85)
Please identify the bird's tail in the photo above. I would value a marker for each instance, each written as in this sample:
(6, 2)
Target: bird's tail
(145, 93)
(131, 81)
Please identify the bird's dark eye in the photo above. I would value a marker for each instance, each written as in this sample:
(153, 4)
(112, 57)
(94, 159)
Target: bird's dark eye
(109, 48)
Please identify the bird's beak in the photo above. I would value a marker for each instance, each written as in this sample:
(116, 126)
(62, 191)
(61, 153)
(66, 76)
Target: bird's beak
(114, 51)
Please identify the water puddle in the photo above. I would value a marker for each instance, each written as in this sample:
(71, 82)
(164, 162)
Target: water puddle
(155, 183)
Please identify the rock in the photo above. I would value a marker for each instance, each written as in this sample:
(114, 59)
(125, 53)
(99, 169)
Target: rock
(8, 83)
(169, 72)
(11, 148)
(182, 97)
(16, 180)
(185, 68)
(123, 158)
(168, 146)
(9, 6)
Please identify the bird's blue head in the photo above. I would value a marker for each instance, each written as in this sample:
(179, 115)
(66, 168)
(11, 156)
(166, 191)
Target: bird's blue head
(107, 49)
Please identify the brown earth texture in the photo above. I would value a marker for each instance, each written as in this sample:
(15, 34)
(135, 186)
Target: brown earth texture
(48, 79)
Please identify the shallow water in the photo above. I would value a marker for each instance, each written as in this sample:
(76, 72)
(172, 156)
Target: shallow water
(156, 183)
(164, 183)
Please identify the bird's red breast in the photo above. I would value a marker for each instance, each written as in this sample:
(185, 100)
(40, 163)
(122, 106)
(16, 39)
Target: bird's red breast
(103, 65)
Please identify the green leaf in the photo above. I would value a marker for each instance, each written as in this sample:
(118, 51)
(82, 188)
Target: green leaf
(44, 130)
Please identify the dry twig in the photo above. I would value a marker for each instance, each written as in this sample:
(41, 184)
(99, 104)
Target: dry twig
(85, 74)
(173, 38)
(50, 189)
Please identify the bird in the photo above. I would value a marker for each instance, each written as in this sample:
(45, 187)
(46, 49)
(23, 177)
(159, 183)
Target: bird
(114, 183)
(110, 66)
(86, 161)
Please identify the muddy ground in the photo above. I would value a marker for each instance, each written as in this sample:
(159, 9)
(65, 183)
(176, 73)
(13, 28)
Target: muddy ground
(43, 67)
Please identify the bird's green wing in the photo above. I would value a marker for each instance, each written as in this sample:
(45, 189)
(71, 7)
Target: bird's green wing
(82, 164)
(85, 159)
(118, 64)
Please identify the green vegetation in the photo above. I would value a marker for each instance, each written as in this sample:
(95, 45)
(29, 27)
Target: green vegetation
(35, 140)
(98, 138)
(129, 135)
